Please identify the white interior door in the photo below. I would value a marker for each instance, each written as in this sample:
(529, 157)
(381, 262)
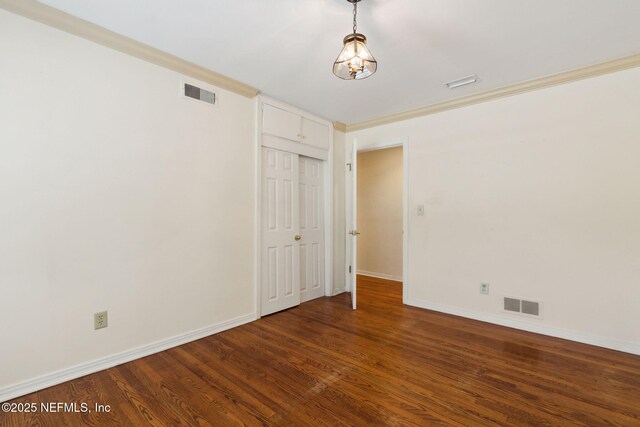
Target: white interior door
(280, 287)
(311, 228)
(351, 192)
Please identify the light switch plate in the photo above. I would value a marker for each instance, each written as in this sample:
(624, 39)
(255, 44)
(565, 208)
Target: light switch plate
(484, 288)
(420, 210)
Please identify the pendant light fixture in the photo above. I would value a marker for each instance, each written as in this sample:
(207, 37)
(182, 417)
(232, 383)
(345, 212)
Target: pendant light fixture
(355, 62)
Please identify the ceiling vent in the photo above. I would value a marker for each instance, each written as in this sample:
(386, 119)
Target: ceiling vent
(200, 94)
(521, 306)
(461, 82)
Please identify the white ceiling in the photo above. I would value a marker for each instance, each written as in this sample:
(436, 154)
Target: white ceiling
(286, 48)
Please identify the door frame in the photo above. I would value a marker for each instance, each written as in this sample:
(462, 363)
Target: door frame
(328, 200)
(364, 145)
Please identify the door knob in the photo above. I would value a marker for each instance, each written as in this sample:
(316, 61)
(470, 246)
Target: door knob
(298, 237)
(354, 232)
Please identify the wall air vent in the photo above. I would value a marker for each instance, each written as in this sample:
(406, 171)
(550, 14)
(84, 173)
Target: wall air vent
(512, 304)
(521, 306)
(200, 94)
(531, 307)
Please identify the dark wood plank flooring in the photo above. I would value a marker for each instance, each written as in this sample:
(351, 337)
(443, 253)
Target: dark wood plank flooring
(322, 364)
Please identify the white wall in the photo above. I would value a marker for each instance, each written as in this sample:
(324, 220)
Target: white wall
(339, 230)
(380, 213)
(538, 195)
(116, 194)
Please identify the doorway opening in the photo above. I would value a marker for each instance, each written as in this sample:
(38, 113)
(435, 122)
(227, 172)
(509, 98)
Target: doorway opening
(380, 216)
(384, 249)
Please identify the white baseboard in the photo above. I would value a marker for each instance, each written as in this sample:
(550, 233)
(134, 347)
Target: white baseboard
(610, 343)
(77, 371)
(380, 275)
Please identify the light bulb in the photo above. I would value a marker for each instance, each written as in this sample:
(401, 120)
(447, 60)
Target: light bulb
(355, 65)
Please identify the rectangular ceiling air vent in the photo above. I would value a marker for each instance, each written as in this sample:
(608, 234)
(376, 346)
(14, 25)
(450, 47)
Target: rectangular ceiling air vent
(461, 82)
(521, 306)
(200, 94)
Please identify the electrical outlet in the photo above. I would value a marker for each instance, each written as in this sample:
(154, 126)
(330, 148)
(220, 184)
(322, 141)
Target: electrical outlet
(100, 320)
(484, 288)
(420, 210)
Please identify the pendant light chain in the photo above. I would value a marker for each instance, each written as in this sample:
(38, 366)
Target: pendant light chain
(355, 12)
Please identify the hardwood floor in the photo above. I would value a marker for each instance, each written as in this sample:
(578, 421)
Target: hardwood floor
(323, 364)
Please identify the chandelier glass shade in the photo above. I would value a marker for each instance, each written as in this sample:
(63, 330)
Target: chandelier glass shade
(355, 62)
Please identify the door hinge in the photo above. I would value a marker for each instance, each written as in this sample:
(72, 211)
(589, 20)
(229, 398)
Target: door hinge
(349, 166)
(349, 269)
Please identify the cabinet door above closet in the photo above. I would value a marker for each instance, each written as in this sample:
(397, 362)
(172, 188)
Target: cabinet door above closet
(289, 129)
(315, 134)
(281, 123)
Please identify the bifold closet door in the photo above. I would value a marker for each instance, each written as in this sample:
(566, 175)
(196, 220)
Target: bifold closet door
(280, 284)
(311, 228)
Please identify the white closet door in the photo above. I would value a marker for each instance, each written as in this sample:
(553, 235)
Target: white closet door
(280, 226)
(311, 229)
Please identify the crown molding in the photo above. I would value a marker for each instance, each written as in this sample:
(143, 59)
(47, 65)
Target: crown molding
(502, 92)
(340, 126)
(55, 18)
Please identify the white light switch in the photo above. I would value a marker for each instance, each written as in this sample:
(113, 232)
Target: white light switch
(420, 210)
